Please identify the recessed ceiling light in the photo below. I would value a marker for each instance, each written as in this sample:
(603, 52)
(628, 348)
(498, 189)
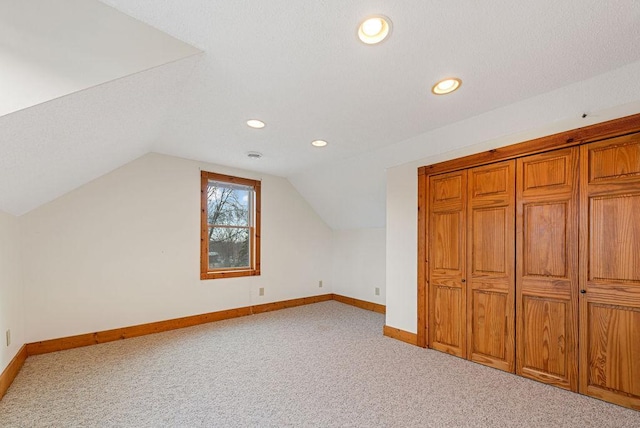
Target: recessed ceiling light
(255, 123)
(374, 29)
(446, 86)
(254, 155)
(318, 143)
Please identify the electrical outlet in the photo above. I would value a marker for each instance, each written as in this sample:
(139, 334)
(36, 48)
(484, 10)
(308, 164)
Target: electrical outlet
(261, 291)
(377, 291)
(8, 337)
(320, 283)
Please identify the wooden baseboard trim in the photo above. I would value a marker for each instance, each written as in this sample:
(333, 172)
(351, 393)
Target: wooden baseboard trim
(10, 373)
(362, 304)
(105, 336)
(95, 338)
(275, 306)
(404, 336)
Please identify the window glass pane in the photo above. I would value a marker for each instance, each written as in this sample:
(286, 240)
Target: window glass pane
(228, 247)
(228, 204)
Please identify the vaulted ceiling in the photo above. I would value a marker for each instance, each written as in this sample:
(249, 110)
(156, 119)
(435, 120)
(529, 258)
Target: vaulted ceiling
(93, 88)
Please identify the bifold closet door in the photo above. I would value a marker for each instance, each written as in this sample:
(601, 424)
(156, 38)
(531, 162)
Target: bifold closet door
(490, 261)
(547, 267)
(447, 271)
(610, 270)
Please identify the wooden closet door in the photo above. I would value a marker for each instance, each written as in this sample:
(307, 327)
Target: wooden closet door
(490, 257)
(610, 270)
(547, 268)
(447, 243)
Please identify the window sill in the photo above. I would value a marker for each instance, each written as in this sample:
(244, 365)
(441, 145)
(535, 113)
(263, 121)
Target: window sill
(229, 274)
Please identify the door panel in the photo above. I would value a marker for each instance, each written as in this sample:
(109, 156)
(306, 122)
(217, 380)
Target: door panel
(447, 188)
(610, 270)
(614, 339)
(614, 252)
(447, 269)
(490, 255)
(548, 171)
(490, 180)
(544, 332)
(447, 229)
(486, 235)
(545, 236)
(616, 162)
(489, 312)
(547, 268)
(447, 306)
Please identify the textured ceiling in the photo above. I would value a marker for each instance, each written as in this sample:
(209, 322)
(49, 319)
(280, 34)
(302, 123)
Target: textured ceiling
(51, 49)
(52, 148)
(299, 67)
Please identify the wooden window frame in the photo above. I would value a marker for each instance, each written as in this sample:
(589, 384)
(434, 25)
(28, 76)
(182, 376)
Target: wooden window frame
(254, 228)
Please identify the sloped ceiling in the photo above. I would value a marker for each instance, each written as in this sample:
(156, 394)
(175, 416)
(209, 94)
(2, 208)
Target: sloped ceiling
(53, 48)
(299, 67)
(52, 142)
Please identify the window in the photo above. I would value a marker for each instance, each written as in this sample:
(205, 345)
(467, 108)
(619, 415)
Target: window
(230, 226)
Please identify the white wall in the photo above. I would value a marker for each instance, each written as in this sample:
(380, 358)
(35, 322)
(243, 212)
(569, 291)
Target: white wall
(401, 251)
(124, 250)
(359, 264)
(11, 298)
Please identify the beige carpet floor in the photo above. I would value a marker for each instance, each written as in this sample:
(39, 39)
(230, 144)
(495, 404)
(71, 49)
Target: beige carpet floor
(322, 365)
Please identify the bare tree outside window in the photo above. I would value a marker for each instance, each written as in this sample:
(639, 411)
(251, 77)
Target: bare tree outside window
(228, 217)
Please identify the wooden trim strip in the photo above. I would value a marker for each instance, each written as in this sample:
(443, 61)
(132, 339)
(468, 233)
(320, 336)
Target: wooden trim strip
(275, 306)
(204, 228)
(362, 304)
(105, 336)
(573, 137)
(257, 225)
(229, 179)
(95, 338)
(403, 336)
(423, 261)
(10, 373)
